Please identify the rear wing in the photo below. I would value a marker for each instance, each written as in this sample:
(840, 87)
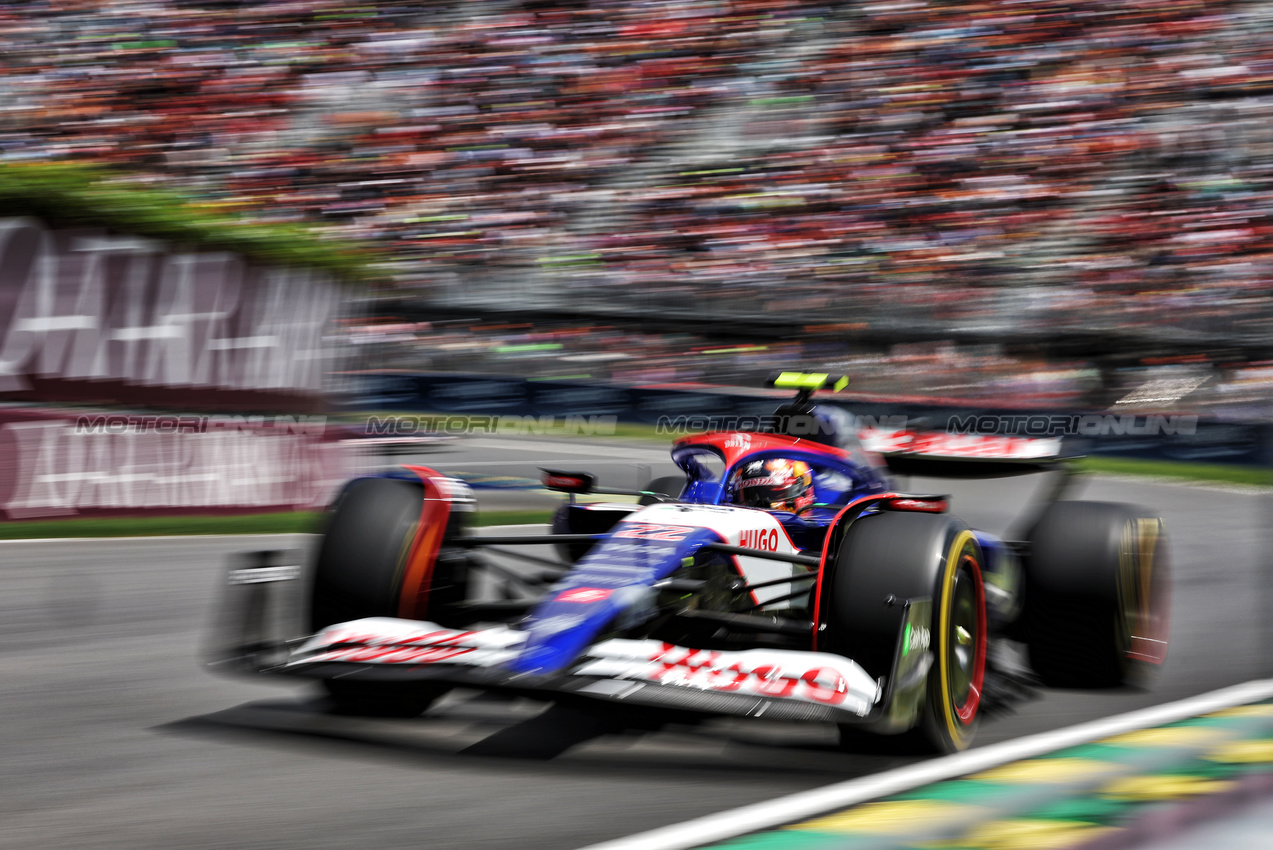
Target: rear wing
(938, 454)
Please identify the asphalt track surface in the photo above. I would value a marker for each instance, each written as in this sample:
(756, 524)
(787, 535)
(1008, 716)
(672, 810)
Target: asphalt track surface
(113, 735)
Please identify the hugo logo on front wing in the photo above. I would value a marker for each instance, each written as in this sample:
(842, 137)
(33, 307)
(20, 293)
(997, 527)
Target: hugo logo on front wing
(729, 673)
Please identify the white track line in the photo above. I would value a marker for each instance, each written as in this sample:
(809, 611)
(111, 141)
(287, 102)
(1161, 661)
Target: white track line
(771, 813)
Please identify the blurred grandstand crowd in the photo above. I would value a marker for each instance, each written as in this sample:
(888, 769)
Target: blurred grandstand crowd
(1030, 165)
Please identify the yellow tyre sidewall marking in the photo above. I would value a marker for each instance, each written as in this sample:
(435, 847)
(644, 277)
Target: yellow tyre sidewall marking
(959, 733)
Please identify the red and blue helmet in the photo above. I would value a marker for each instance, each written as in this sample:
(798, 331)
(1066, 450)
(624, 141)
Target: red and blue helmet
(776, 484)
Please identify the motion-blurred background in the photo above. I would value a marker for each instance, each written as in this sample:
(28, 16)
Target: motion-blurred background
(232, 232)
(227, 205)
(967, 198)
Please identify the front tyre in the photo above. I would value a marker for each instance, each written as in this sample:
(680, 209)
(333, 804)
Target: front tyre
(912, 556)
(363, 555)
(360, 572)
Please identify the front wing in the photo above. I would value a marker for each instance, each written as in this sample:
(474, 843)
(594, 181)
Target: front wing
(782, 684)
(259, 618)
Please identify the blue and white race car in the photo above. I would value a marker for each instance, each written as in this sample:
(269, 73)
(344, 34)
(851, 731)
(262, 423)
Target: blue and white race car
(781, 575)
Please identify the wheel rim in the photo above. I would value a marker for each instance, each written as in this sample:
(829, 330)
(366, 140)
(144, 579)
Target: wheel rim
(965, 642)
(961, 640)
(961, 645)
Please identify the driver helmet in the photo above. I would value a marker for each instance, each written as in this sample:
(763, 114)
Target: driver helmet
(777, 484)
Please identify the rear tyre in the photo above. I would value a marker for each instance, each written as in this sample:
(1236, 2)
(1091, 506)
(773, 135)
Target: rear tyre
(907, 556)
(359, 573)
(1097, 606)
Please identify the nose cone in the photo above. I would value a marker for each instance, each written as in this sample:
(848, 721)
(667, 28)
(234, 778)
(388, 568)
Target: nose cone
(609, 589)
(564, 626)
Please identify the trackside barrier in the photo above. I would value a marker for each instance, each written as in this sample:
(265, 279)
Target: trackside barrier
(1159, 435)
(56, 464)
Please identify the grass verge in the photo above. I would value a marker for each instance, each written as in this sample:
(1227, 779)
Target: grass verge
(527, 517)
(160, 526)
(303, 522)
(1211, 472)
(79, 194)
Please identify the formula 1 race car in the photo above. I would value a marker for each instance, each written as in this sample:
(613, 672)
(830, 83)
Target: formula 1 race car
(780, 575)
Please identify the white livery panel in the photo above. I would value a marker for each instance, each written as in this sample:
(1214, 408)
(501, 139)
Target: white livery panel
(748, 527)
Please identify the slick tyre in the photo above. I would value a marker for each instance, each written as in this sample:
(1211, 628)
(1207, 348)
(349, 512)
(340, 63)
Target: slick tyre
(1097, 601)
(364, 551)
(359, 573)
(910, 556)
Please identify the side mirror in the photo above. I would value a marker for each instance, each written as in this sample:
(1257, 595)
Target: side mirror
(568, 482)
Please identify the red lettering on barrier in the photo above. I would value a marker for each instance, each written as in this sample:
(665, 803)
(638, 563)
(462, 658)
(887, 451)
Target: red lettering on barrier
(62, 466)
